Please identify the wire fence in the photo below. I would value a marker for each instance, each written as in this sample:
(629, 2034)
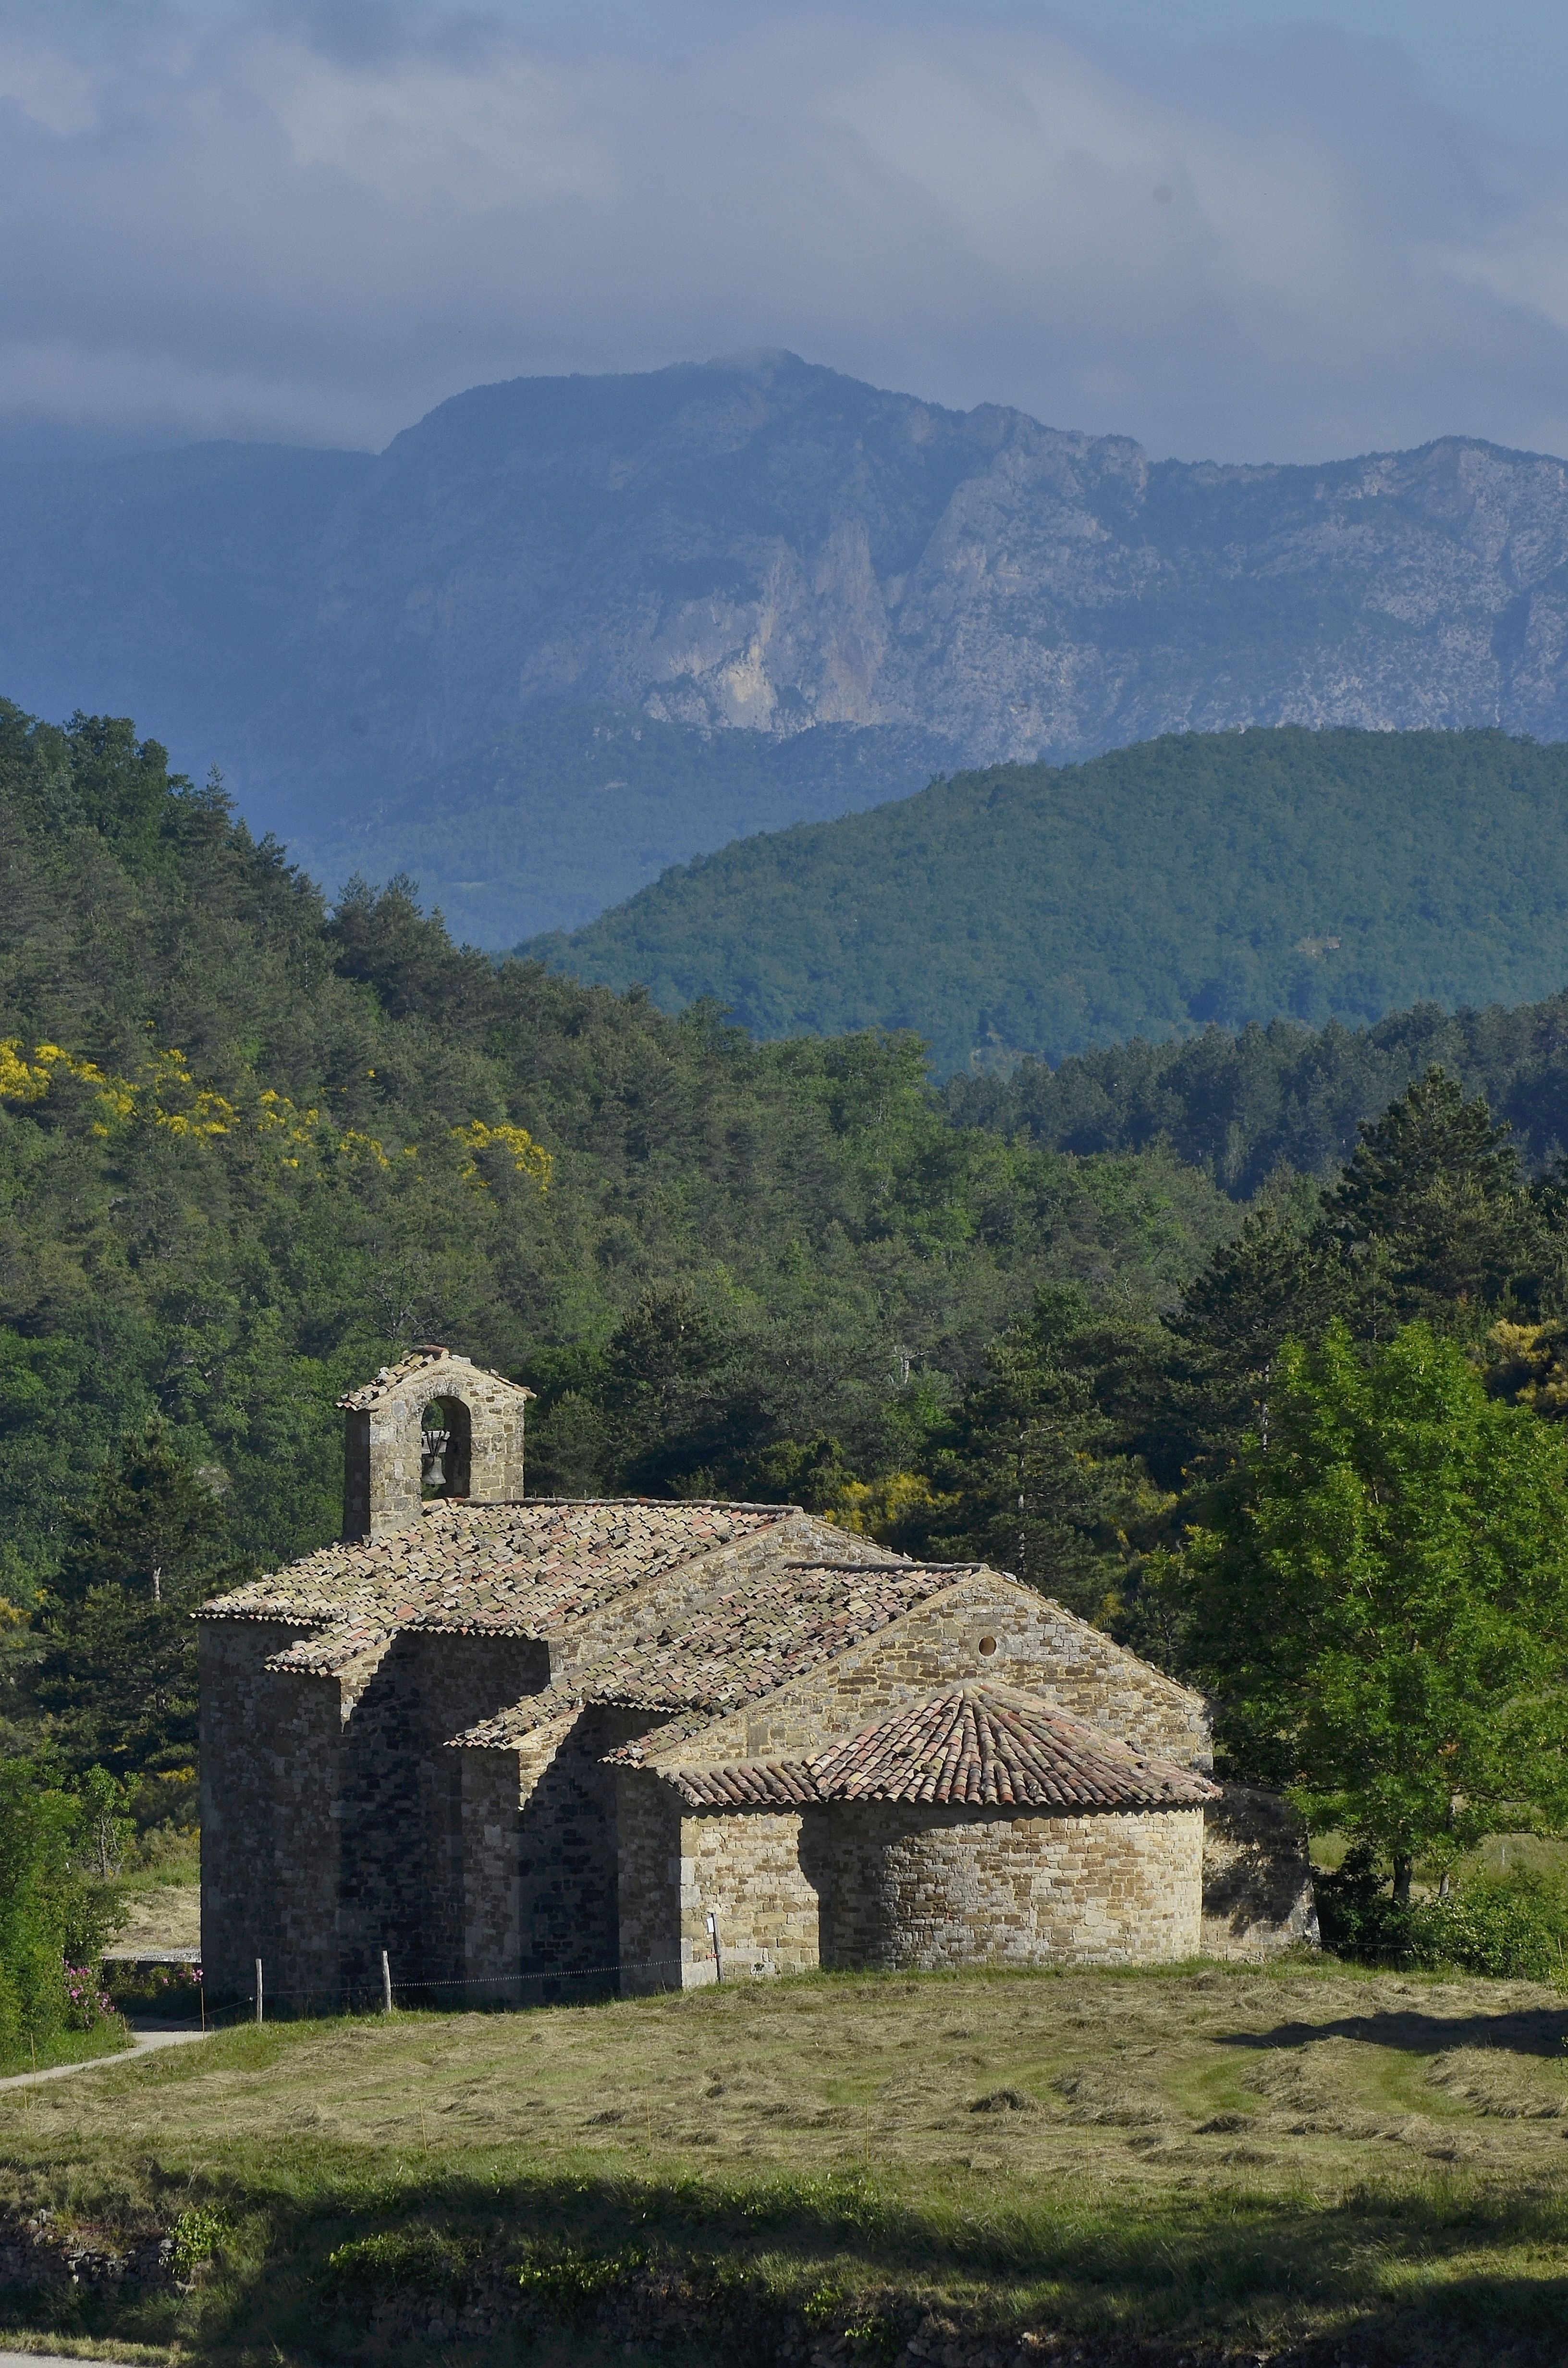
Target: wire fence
(384, 1993)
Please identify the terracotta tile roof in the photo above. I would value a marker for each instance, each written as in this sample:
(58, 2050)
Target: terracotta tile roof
(509, 1570)
(755, 1640)
(391, 1377)
(976, 1746)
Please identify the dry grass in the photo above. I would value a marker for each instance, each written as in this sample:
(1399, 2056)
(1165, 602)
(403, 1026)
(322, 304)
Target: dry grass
(159, 1916)
(1209, 2152)
(1337, 2078)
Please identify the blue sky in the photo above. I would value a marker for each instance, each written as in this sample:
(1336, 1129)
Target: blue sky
(1231, 228)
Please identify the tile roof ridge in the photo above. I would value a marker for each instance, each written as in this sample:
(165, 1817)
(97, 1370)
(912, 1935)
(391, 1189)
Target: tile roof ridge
(667, 1503)
(890, 1560)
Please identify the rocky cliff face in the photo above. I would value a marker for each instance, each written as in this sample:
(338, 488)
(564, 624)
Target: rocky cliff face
(759, 546)
(770, 546)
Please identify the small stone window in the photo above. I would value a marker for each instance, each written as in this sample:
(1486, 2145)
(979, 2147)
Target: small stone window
(445, 1447)
(988, 1644)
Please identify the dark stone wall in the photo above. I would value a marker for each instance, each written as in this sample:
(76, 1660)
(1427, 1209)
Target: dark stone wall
(269, 1824)
(568, 1861)
(331, 1816)
(400, 1797)
(648, 1821)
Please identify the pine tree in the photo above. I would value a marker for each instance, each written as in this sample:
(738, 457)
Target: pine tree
(117, 1678)
(1041, 1469)
(1432, 1218)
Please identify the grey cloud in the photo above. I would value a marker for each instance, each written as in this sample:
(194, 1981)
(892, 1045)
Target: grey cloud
(314, 222)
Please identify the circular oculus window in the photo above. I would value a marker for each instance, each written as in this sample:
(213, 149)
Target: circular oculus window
(988, 1644)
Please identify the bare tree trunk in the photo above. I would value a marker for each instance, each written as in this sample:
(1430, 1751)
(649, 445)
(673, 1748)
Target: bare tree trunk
(1402, 1868)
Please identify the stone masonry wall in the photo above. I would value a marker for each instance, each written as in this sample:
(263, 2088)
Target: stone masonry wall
(401, 1791)
(908, 1884)
(747, 1871)
(269, 1824)
(568, 1855)
(676, 1867)
(1038, 1645)
(492, 1878)
(648, 1835)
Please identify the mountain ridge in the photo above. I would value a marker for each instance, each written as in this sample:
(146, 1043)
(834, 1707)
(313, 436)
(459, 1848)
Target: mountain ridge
(754, 547)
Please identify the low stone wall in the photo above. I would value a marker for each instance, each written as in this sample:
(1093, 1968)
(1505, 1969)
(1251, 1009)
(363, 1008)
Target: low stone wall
(701, 2309)
(913, 1885)
(39, 2249)
(1257, 1876)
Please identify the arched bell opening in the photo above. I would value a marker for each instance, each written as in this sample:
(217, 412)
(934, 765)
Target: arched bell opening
(446, 1437)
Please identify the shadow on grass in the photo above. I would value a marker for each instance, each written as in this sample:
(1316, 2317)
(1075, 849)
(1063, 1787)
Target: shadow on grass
(1528, 2031)
(1405, 2274)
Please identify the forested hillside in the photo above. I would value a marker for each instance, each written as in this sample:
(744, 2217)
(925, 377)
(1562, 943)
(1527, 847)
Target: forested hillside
(1243, 1104)
(251, 1148)
(1227, 877)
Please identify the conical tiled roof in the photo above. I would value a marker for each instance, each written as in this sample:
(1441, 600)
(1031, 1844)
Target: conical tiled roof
(977, 1745)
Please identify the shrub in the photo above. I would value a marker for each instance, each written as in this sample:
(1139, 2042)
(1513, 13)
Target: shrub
(1513, 1927)
(1358, 1916)
(1508, 1927)
(51, 1925)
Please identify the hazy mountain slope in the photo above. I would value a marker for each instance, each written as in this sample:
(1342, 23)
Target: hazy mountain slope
(585, 804)
(1227, 877)
(172, 586)
(754, 545)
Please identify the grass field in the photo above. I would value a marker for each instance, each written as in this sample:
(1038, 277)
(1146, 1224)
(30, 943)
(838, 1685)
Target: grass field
(1304, 2157)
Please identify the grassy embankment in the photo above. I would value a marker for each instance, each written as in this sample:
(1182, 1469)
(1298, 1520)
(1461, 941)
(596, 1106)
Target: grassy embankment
(1300, 2157)
(157, 1895)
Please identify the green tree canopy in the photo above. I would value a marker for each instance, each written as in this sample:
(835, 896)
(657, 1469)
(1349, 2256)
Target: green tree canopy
(1382, 1602)
(1431, 1219)
(1431, 1216)
(1042, 1467)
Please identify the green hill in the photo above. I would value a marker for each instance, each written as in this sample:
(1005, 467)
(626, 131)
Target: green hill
(1229, 878)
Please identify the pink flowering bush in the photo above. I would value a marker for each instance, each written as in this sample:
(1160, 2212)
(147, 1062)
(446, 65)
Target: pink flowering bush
(88, 2002)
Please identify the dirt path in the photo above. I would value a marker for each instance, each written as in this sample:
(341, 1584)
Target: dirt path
(144, 2043)
(54, 2358)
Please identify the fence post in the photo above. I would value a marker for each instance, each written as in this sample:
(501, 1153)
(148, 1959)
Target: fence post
(713, 1936)
(386, 1983)
(259, 2015)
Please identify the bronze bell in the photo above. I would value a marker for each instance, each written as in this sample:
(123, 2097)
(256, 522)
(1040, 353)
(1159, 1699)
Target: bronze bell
(433, 1446)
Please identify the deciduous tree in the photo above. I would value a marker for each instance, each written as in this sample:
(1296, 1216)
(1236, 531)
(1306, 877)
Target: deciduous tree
(1382, 1602)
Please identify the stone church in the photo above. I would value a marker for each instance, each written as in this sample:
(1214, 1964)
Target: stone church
(532, 1749)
